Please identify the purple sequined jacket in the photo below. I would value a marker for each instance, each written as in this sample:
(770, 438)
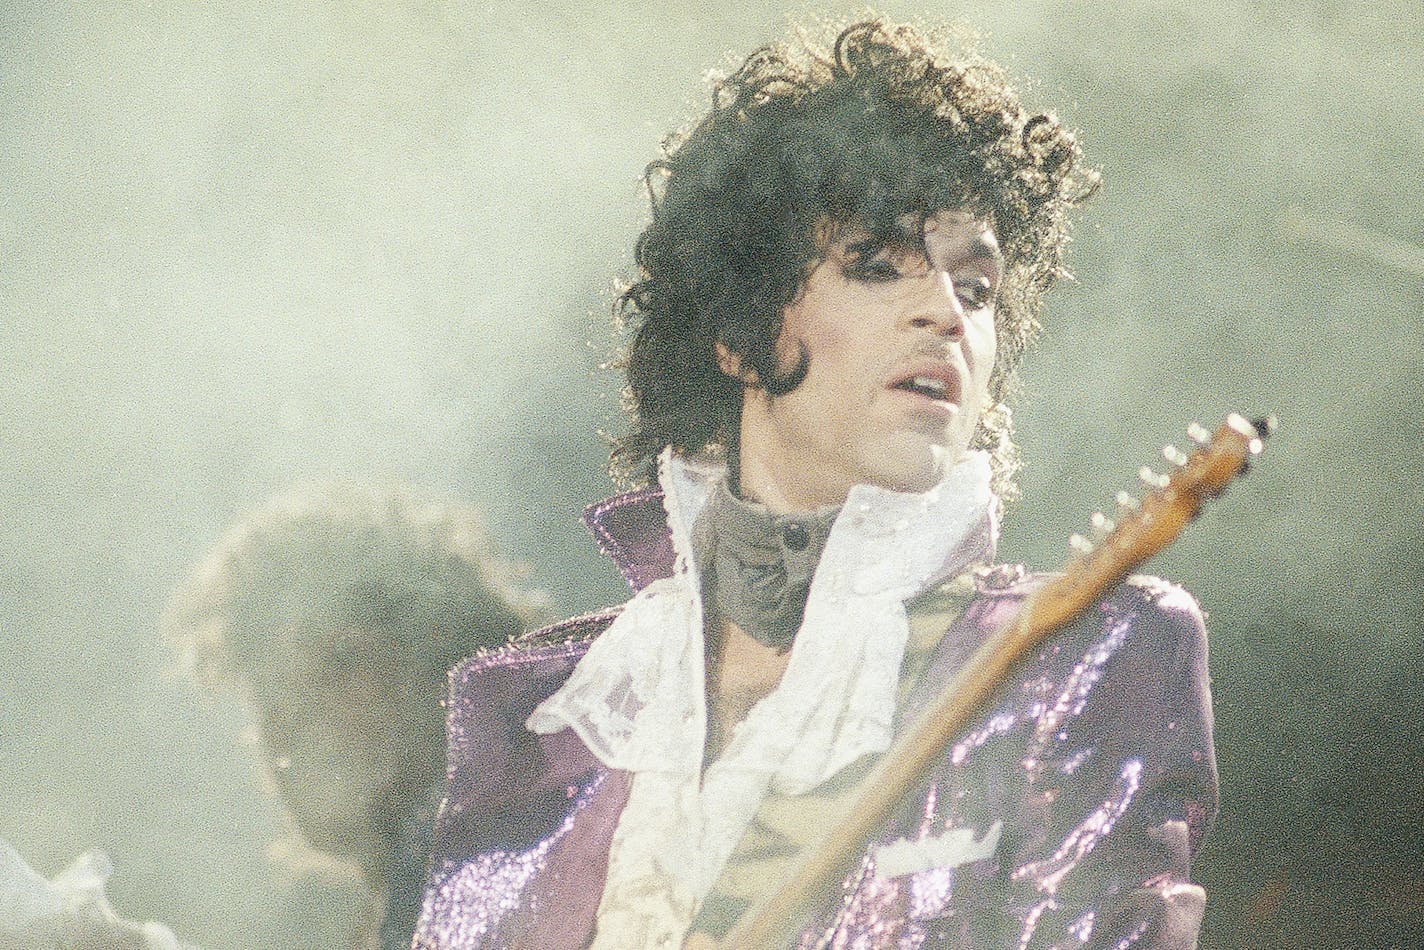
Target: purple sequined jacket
(1097, 759)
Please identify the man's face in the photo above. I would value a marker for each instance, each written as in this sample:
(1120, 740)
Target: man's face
(347, 724)
(901, 345)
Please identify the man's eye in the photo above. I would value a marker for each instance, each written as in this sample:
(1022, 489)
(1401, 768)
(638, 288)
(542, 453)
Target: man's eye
(975, 293)
(872, 270)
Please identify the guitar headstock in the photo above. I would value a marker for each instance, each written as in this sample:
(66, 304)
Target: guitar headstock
(1142, 528)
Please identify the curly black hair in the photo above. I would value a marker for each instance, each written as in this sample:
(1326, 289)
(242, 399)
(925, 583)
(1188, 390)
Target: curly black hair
(340, 556)
(892, 123)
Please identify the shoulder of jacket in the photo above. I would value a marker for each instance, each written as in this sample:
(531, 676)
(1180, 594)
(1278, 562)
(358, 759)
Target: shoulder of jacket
(581, 629)
(567, 639)
(999, 585)
(1153, 596)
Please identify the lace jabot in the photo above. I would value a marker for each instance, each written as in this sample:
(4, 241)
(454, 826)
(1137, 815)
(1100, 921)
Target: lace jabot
(637, 698)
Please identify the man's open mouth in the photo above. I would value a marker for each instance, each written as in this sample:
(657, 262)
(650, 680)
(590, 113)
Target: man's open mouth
(930, 386)
(933, 379)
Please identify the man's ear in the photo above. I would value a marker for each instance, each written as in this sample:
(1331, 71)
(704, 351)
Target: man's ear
(731, 364)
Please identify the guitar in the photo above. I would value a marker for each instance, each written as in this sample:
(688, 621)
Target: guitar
(1142, 529)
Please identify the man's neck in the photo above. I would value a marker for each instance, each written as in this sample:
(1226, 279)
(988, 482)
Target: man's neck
(762, 473)
(783, 496)
(740, 673)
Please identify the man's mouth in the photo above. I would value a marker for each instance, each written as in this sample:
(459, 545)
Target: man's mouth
(932, 379)
(925, 386)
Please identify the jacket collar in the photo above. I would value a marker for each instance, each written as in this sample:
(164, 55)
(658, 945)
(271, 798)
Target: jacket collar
(632, 529)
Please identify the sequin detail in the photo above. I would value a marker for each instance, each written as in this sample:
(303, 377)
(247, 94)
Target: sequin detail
(472, 898)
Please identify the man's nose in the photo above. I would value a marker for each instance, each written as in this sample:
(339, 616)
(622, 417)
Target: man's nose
(937, 307)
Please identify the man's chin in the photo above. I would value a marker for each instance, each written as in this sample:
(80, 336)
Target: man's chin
(913, 468)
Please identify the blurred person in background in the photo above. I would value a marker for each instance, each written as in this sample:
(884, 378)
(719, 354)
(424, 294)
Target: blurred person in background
(334, 611)
(844, 264)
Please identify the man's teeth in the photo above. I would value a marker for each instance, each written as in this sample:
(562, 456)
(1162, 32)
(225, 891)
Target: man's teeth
(930, 384)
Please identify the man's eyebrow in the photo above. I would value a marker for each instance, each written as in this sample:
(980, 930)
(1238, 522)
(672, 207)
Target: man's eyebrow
(985, 248)
(868, 245)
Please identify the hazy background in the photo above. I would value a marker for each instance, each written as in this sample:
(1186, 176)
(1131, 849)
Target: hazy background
(243, 244)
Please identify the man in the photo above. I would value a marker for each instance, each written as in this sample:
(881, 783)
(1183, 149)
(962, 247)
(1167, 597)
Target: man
(843, 267)
(335, 611)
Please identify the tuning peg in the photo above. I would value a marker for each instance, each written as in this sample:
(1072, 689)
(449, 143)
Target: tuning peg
(1174, 455)
(1102, 525)
(1264, 426)
(1126, 504)
(1080, 544)
(1254, 431)
(1151, 479)
(1198, 433)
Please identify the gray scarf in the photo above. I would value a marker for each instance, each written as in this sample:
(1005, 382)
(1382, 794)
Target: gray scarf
(757, 566)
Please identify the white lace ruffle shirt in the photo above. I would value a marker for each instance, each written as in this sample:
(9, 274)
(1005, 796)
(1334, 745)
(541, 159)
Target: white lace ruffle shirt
(638, 697)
